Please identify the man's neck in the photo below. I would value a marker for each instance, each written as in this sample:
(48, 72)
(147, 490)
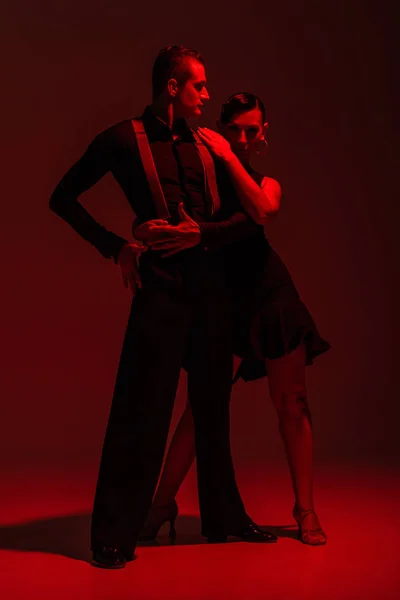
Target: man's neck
(165, 112)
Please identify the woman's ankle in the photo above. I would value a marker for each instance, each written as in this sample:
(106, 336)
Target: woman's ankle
(163, 501)
(306, 507)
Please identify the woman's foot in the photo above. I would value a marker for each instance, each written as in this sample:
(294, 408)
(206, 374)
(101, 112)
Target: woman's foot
(310, 531)
(158, 515)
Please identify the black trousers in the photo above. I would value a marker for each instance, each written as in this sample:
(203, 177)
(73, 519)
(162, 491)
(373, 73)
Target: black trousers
(170, 323)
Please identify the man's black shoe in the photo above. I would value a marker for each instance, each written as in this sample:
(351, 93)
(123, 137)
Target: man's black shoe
(129, 555)
(107, 557)
(251, 533)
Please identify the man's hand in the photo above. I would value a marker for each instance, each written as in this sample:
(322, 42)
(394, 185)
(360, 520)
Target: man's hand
(218, 145)
(128, 262)
(159, 235)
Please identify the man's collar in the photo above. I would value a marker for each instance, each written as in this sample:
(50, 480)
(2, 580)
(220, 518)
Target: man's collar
(159, 130)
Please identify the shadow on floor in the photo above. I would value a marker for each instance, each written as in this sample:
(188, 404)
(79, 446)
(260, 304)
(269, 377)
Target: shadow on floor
(69, 536)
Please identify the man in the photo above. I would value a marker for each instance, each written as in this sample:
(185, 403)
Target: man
(181, 312)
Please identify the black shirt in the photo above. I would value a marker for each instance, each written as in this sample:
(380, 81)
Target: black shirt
(181, 175)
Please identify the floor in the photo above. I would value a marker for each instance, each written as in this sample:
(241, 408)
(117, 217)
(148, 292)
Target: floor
(45, 526)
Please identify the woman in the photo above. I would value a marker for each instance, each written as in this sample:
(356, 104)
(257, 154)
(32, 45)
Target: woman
(274, 333)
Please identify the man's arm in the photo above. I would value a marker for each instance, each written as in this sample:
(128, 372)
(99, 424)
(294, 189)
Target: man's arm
(237, 227)
(87, 171)
(159, 235)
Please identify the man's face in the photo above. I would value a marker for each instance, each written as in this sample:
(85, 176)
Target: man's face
(191, 95)
(244, 131)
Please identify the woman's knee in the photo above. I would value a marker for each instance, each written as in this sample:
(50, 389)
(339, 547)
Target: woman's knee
(292, 403)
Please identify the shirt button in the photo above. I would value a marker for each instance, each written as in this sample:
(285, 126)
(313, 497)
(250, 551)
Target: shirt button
(205, 248)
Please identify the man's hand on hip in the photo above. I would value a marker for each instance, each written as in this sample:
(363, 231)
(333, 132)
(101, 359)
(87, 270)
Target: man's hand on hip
(129, 265)
(159, 235)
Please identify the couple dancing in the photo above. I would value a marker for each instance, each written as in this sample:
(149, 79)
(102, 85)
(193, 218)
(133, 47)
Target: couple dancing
(209, 285)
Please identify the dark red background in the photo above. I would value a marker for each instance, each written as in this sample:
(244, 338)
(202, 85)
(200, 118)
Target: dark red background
(326, 73)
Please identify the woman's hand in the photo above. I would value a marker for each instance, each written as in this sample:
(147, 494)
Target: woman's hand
(216, 143)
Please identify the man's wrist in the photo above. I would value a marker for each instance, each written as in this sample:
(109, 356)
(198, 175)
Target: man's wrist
(118, 251)
(117, 254)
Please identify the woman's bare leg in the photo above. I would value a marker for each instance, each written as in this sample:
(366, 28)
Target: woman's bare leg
(287, 386)
(180, 457)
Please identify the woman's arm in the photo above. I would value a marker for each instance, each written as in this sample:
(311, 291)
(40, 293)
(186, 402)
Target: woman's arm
(259, 202)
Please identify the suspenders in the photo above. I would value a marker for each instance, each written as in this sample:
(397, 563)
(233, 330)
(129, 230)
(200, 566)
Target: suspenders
(209, 173)
(146, 156)
(150, 169)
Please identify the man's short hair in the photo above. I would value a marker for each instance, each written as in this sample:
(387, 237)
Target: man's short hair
(171, 63)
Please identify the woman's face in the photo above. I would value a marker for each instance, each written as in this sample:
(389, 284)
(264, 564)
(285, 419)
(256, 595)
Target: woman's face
(244, 132)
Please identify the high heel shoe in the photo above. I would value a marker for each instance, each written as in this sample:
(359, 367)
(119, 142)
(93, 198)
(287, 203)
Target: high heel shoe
(158, 515)
(314, 536)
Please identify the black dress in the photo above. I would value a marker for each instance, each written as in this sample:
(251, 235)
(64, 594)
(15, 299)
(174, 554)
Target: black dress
(270, 318)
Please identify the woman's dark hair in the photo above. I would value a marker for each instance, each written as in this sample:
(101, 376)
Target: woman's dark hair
(171, 62)
(239, 103)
